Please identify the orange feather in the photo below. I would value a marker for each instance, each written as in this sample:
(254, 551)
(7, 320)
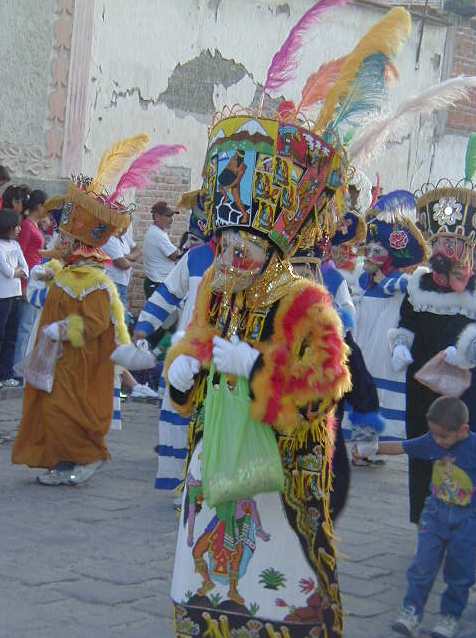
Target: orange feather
(319, 83)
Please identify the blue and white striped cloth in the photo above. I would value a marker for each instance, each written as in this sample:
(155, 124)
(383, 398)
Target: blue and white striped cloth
(176, 294)
(378, 311)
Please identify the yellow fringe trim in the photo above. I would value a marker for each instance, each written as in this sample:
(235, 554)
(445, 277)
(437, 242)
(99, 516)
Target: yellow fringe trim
(215, 630)
(80, 281)
(55, 265)
(75, 331)
(284, 633)
(463, 195)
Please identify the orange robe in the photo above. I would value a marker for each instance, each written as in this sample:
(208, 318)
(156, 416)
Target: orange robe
(71, 423)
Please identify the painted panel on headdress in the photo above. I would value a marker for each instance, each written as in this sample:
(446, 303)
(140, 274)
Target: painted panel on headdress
(267, 176)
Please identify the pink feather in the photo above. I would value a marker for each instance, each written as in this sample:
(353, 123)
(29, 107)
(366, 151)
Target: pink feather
(139, 173)
(285, 61)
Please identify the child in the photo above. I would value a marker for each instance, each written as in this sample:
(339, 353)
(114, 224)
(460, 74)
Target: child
(448, 523)
(13, 268)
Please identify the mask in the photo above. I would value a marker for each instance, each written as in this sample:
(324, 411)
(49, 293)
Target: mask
(451, 268)
(376, 257)
(240, 259)
(345, 256)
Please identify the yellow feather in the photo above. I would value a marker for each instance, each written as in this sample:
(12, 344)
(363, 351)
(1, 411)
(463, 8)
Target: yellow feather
(387, 37)
(114, 160)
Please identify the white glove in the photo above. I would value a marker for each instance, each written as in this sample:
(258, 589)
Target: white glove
(53, 331)
(134, 356)
(234, 357)
(401, 358)
(182, 371)
(454, 358)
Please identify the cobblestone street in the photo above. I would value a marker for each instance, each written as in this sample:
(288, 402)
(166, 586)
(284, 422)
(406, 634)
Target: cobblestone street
(96, 560)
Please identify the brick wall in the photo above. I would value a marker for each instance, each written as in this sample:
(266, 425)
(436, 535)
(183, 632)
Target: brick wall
(169, 185)
(463, 118)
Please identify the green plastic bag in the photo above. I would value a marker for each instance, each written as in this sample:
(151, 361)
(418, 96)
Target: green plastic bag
(240, 456)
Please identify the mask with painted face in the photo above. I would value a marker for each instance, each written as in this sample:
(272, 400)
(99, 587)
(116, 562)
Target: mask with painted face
(451, 264)
(240, 259)
(345, 256)
(376, 257)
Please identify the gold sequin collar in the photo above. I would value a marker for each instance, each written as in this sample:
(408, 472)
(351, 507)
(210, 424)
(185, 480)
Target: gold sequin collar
(274, 283)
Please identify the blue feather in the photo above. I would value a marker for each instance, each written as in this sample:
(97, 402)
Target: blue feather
(367, 93)
(369, 419)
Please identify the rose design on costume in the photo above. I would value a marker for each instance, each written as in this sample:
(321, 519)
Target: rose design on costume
(447, 211)
(398, 240)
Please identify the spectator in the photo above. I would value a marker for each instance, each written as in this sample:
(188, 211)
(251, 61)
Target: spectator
(16, 198)
(4, 179)
(13, 268)
(160, 254)
(32, 241)
(123, 258)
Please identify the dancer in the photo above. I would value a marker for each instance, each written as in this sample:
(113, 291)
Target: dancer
(438, 314)
(281, 333)
(393, 243)
(256, 321)
(176, 294)
(64, 431)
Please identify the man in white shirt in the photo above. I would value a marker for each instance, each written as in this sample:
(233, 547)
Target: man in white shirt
(160, 254)
(120, 271)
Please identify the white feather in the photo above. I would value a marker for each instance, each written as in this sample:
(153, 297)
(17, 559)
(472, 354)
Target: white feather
(437, 98)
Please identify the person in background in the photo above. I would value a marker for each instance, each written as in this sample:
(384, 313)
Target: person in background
(160, 254)
(119, 250)
(13, 268)
(16, 198)
(32, 241)
(45, 224)
(4, 179)
(177, 294)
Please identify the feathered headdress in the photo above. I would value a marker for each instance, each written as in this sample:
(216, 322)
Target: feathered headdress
(360, 86)
(114, 160)
(139, 173)
(438, 97)
(285, 61)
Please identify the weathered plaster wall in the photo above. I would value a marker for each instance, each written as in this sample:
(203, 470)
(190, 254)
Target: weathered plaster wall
(26, 50)
(164, 67)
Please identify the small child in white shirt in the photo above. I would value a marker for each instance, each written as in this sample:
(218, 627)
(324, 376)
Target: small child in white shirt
(13, 268)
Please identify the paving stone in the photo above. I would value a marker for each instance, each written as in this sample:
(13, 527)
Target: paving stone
(96, 561)
(363, 607)
(362, 588)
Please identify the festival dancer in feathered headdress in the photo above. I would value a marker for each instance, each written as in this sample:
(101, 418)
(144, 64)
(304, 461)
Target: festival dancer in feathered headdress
(438, 314)
(64, 430)
(393, 244)
(275, 339)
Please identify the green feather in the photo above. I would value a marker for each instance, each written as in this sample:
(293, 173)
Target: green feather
(470, 162)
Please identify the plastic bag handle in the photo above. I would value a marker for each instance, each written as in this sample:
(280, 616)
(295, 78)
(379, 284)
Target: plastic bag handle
(241, 389)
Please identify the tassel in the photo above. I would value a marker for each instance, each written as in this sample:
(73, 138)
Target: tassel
(75, 331)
